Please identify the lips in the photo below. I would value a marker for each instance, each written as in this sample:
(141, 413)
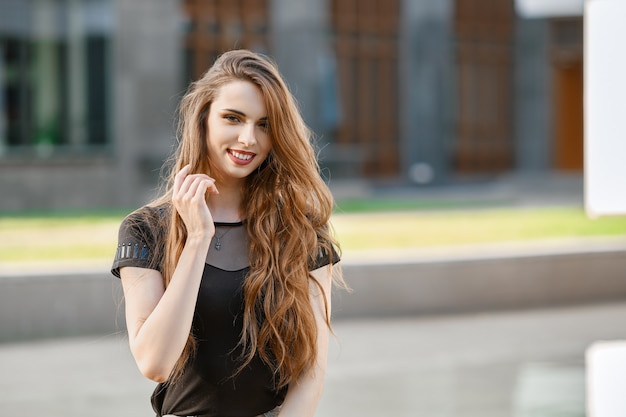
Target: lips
(241, 157)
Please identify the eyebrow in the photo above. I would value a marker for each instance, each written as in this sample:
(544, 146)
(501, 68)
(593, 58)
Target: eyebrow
(264, 118)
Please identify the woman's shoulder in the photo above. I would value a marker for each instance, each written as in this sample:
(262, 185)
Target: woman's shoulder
(150, 220)
(148, 214)
(140, 239)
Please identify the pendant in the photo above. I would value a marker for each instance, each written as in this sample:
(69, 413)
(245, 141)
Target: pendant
(218, 244)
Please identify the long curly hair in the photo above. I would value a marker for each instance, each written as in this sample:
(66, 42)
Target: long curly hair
(287, 207)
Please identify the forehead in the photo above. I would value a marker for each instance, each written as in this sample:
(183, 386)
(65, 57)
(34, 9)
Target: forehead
(243, 96)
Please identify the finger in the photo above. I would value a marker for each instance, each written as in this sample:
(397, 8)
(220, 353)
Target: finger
(206, 186)
(201, 189)
(192, 183)
(190, 179)
(212, 188)
(186, 183)
(186, 189)
(200, 186)
(180, 177)
(204, 176)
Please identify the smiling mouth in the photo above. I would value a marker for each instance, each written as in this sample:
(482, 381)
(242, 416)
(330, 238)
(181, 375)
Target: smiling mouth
(241, 155)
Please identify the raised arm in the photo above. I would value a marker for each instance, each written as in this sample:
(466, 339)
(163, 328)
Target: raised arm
(159, 319)
(304, 395)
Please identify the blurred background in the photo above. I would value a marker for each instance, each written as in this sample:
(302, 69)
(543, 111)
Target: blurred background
(399, 91)
(450, 132)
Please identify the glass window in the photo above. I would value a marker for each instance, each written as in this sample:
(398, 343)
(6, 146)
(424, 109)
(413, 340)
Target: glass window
(54, 76)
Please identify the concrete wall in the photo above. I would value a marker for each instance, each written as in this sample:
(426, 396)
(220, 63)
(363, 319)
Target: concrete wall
(76, 303)
(58, 183)
(59, 305)
(474, 285)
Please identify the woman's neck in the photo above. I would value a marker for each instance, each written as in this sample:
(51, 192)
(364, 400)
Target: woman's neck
(226, 206)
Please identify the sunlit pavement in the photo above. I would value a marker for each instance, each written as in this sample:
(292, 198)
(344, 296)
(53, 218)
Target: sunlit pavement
(520, 364)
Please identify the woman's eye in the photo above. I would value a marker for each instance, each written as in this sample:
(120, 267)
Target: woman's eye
(264, 125)
(231, 118)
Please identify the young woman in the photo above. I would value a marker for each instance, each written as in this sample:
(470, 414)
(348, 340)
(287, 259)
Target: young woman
(227, 276)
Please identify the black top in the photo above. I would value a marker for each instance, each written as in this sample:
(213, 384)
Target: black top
(207, 386)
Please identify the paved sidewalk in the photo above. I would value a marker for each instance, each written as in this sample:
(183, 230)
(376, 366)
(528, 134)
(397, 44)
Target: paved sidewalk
(521, 364)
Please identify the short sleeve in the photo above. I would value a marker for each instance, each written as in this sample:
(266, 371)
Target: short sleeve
(138, 239)
(324, 258)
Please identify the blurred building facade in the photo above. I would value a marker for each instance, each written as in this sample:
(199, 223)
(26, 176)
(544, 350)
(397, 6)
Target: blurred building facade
(403, 90)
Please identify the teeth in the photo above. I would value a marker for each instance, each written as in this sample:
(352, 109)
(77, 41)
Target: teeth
(243, 156)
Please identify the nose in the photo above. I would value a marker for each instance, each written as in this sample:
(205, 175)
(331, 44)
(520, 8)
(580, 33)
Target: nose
(247, 137)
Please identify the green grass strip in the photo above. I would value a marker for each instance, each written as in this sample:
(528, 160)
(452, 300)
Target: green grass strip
(94, 236)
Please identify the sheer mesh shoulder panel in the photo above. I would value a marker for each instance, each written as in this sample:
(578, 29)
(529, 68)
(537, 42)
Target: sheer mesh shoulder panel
(229, 247)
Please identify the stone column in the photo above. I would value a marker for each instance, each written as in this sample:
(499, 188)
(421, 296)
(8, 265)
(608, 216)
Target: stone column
(426, 89)
(301, 48)
(76, 65)
(533, 97)
(147, 86)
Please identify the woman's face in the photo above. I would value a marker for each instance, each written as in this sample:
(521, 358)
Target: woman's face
(238, 140)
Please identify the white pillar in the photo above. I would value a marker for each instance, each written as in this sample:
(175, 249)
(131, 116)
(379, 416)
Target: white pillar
(605, 94)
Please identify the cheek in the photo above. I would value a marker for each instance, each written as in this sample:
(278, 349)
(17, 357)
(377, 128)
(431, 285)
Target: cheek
(214, 137)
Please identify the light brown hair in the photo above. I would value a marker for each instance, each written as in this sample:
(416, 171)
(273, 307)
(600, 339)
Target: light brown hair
(287, 207)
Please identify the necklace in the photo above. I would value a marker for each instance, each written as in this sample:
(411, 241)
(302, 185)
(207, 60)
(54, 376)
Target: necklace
(218, 239)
